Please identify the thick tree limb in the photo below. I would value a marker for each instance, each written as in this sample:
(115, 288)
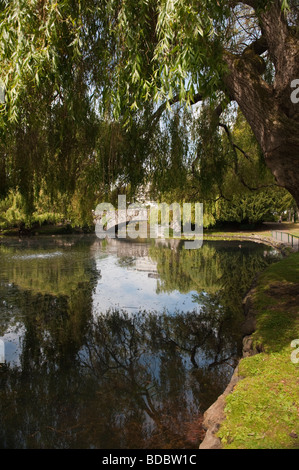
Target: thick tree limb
(258, 47)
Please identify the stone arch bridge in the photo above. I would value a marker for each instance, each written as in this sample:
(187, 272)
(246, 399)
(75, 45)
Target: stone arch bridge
(110, 222)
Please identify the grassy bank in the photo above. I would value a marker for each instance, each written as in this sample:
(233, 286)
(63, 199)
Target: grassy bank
(265, 230)
(263, 410)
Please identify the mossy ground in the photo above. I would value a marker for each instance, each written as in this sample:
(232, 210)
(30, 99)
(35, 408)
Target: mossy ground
(263, 410)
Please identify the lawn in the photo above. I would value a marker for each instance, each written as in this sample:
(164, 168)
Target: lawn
(263, 231)
(263, 410)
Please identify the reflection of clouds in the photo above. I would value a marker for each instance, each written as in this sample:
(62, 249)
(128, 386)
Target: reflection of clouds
(12, 343)
(132, 288)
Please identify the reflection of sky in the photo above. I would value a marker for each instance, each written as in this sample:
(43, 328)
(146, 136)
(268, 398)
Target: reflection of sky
(12, 344)
(131, 290)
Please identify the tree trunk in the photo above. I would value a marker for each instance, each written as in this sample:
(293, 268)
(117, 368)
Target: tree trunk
(269, 109)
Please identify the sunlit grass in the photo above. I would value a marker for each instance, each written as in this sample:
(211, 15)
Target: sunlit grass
(263, 410)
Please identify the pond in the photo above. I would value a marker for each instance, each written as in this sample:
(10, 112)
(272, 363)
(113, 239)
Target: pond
(114, 344)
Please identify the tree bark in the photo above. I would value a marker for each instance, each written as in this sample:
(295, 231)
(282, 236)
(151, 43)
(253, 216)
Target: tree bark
(269, 110)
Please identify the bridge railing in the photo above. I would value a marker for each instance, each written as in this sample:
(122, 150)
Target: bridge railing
(287, 238)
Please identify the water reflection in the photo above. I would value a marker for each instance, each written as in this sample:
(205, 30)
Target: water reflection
(85, 371)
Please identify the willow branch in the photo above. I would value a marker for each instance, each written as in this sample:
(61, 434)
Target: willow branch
(233, 145)
(236, 169)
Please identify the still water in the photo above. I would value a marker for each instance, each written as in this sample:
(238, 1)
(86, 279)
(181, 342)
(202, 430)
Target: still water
(118, 345)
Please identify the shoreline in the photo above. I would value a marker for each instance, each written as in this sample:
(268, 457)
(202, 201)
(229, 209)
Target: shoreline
(215, 415)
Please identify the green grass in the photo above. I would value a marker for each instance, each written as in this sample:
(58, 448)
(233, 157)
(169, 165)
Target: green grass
(265, 230)
(263, 410)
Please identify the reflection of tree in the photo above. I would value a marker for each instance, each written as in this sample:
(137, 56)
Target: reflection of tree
(143, 379)
(221, 269)
(49, 295)
(122, 380)
(157, 366)
(43, 269)
(186, 270)
(53, 316)
(126, 261)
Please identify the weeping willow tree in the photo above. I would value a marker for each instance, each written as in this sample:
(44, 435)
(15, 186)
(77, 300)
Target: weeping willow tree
(218, 53)
(59, 135)
(89, 82)
(47, 125)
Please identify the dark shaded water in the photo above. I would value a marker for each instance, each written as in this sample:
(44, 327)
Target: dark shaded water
(118, 345)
